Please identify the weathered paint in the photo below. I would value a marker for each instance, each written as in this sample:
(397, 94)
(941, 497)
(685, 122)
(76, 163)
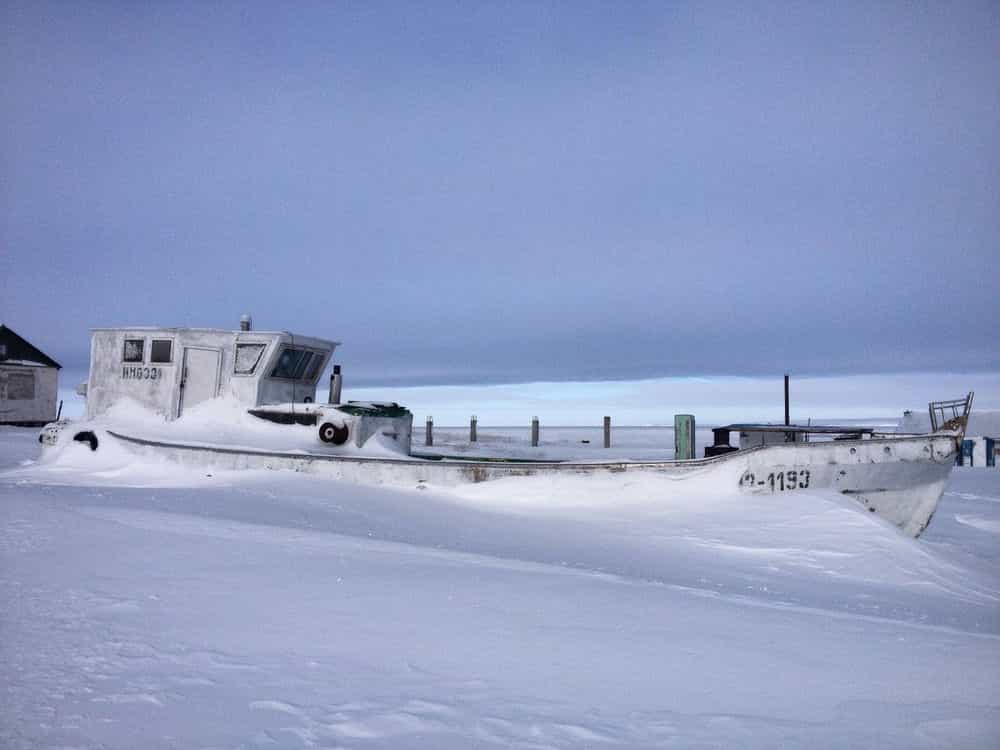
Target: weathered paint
(898, 479)
(42, 405)
(29, 381)
(158, 385)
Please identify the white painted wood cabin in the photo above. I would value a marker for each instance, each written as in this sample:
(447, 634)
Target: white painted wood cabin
(169, 370)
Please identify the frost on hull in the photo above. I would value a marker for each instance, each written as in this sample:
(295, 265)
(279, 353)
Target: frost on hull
(898, 479)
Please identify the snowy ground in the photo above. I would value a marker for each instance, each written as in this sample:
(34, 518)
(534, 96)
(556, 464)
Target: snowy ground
(147, 606)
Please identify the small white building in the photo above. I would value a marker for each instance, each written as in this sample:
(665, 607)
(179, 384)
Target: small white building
(169, 370)
(29, 382)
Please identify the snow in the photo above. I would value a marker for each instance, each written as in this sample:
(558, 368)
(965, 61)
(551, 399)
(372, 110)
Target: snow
(149, 605)
(23, 362)
(226, 422)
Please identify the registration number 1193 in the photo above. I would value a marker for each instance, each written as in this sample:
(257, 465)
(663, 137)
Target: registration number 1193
(776, 481)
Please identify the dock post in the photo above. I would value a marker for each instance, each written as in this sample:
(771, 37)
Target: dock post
(472, 429)
(607, 432)
(534, 432)
(429, 432)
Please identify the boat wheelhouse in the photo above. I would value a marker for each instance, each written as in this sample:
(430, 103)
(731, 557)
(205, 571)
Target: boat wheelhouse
(171, 370)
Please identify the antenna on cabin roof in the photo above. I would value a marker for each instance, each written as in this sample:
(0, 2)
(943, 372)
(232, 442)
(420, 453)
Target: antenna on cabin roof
(246, 322)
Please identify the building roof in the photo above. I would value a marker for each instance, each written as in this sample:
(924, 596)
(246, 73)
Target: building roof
(21, 352)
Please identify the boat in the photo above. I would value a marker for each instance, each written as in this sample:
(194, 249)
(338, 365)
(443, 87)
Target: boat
(244, 399)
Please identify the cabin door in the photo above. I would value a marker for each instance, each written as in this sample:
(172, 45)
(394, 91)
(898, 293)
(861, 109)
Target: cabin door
(200, 378)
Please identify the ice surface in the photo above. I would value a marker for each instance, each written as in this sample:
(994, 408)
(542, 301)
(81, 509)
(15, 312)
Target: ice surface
(146, 605)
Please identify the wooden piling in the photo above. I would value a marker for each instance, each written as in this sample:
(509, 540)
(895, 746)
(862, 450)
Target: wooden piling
(607, 432)
(429, 432)
(473, 437)
(534, 432)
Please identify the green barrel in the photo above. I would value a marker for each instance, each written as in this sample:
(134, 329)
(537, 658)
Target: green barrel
(684, 447)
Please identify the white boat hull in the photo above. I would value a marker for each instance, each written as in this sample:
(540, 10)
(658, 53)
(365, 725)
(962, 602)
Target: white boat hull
(898, 479)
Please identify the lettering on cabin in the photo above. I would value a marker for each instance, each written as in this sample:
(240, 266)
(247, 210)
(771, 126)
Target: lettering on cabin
(140, 373)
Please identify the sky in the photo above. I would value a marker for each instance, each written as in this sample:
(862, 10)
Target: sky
(500, 193)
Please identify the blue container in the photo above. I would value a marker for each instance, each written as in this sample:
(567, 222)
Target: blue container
(966, 453)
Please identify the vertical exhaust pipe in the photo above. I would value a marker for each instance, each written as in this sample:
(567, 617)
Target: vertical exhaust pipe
(335, 385)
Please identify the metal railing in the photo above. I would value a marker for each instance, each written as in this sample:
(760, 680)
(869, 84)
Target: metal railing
(950, 415)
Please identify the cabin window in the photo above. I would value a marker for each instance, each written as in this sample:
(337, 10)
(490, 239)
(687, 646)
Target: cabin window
(3, 351)
(161, 351)
(247, 357)
(300, 371)
(288, 363)
(133, 350)
(293, 363)
(20, 386)
(311, 373)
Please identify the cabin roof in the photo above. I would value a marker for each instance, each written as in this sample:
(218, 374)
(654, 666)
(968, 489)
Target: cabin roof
(226, 331)
(22, 352)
